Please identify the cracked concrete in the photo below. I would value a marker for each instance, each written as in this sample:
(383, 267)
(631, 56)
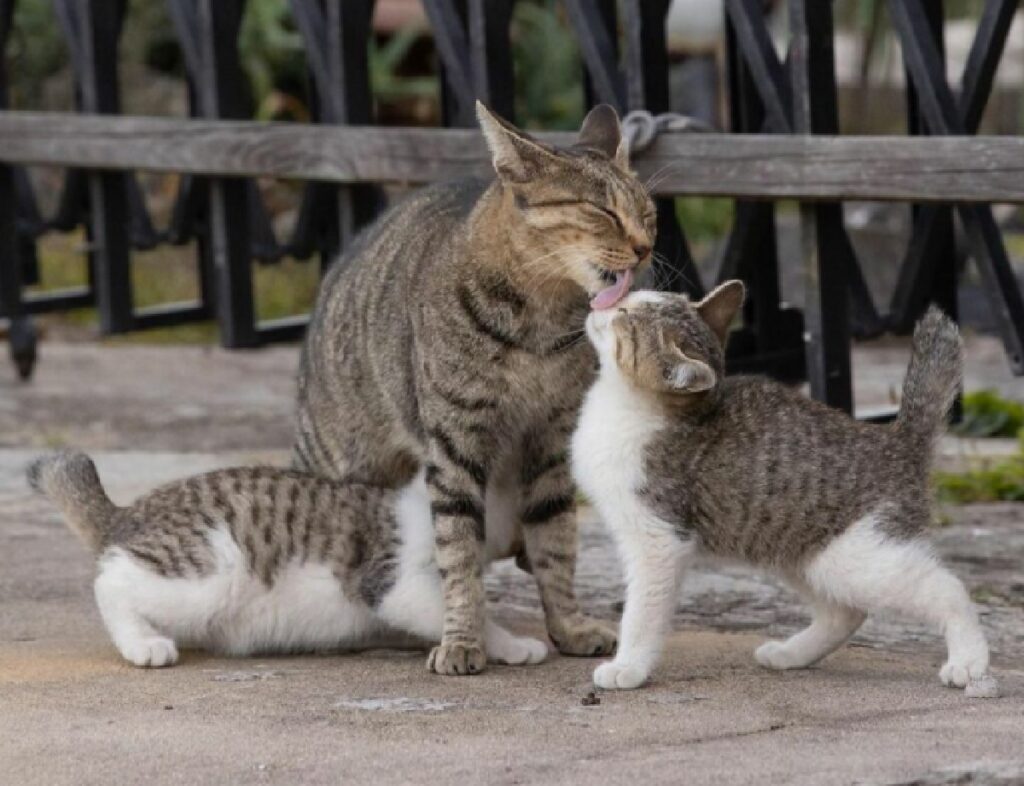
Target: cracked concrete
(72, 712)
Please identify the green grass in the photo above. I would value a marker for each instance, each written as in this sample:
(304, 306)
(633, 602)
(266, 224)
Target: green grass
(987, 414)
(169, 274)
(994, 481)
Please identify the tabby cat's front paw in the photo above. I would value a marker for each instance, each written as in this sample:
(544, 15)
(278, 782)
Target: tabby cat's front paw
(457, 659)
(619, 676)
(586, 638)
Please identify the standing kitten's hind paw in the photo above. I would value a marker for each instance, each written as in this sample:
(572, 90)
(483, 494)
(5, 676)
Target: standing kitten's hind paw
(961, 674)
(585, 638)
(984, 687)
(153, 652)
(518, 651)
(619, 676)
(776, 655)
(457, 659)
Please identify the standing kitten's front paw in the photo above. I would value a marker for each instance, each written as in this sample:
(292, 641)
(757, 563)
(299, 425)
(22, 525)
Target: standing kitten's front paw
(154, 652)
(586, 638)
(518, 650)
(456, 659)
(619, 676)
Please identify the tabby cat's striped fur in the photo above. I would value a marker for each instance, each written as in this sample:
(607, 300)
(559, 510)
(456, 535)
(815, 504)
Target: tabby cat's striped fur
(450, 337)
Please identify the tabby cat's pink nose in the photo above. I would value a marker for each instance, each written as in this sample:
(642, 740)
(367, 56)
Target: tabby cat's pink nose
(641, 251)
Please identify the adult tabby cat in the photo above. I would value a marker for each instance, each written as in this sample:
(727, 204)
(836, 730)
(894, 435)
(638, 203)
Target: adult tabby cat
(259, 560)
(679, 460)
(450, 337)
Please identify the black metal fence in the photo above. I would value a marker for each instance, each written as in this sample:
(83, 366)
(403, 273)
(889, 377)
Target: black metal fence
(774, 105)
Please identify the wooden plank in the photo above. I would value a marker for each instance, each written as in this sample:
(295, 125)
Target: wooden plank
(754, 166)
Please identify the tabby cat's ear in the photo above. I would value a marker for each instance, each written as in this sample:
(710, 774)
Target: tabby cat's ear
(515, 156)
(601, 131)
(720, 306)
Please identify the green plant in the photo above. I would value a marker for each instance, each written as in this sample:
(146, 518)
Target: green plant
(385, 62)
(36, 51)
(272, 53)
(549, 91)
(992, 482)
(704, 219)
(987, 414)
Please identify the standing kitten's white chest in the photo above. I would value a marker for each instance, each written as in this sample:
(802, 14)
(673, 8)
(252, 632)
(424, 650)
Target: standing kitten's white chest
(616, 425)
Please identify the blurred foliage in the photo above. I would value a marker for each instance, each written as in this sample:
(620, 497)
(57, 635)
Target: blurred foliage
(167, 275)
(992, 482)
(271, 52)
(36, 50)
(386, 59)
(987, 414)
(858, 13)
(704, 219)
(549, 88)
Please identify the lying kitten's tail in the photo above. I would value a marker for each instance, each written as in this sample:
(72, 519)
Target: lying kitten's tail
(933, 378)
(70, 480)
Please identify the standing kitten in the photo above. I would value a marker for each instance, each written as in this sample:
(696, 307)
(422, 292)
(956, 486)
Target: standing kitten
(450, 338)
(678, 460)
(259, 560)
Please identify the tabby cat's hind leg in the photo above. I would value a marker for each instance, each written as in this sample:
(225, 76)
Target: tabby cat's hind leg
(135, 638)
(503, 646)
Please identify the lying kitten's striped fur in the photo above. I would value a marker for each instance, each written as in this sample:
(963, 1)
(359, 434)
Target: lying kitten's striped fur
(680, 460)
(256, 559)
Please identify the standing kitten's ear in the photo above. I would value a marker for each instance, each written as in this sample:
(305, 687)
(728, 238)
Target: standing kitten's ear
(719, 307)
(601, 131)
(684, 374)
(515, 156)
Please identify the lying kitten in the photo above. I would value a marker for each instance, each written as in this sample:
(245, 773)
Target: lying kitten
(680, 460)
(259, 560)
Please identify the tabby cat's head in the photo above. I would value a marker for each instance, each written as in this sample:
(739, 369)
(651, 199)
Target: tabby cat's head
(584, 215)
(664, 343)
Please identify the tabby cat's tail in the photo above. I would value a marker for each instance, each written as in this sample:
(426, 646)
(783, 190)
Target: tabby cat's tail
(933, 378)
(70, 480)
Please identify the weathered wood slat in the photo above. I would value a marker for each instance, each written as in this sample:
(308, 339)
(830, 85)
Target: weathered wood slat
(754, 166)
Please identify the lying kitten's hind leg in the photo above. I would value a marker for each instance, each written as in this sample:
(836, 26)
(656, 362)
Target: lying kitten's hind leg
(135, 638)
(867, 568)
(503, 646)
(830, 628)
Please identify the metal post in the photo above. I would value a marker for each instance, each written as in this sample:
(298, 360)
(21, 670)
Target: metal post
(647, 88)
(223, 95)
(826, 310)
(100, 31)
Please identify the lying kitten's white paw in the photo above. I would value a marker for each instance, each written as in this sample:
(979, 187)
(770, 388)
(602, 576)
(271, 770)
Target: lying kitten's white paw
(958, 674)
(154, 652)
(777, 655)
(619, 676)
(518, 650)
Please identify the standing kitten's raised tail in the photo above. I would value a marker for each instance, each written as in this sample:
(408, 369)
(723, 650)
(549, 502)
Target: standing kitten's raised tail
(933, 378)
(69, 478)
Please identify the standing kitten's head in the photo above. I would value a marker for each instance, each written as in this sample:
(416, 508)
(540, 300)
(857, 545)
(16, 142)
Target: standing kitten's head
(663, 343)
(578, 214)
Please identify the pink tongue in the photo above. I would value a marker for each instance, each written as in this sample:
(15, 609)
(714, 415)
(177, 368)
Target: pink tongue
(607, 298)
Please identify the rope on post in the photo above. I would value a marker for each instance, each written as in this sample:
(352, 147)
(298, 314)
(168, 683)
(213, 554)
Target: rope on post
(640, 128)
